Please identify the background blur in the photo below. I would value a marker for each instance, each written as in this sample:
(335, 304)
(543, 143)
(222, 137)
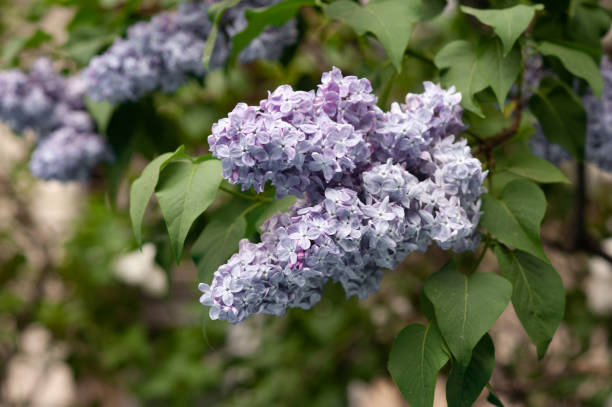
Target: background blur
(87, 319)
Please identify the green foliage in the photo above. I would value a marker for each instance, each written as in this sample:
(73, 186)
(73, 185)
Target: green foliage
(184, 192)
(216, 11)
(217, 242)
(498, 69)
(143, 188)
(538, 295)
(525, 164)
(464, 387)
(466, 307)
(391, 21)
(577, 62)
(561, 114)
(276, 14)
(508, 23)
(271, 209)
(515, 216)
(416, 357)
(459, 61)
(310, 357)
(493, 399)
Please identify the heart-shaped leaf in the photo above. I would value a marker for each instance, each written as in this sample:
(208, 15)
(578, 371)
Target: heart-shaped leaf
(514, 218)
(508, 23)
(391, 21)
(466, 307)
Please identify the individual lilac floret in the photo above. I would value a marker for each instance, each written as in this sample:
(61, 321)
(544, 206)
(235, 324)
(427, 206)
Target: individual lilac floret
(299, 141)
(67, 155)
(358, 215)
(165, 52)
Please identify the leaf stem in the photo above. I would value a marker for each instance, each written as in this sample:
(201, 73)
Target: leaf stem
(250, 208)
(419, 55)
(481, 256)
(244, 196)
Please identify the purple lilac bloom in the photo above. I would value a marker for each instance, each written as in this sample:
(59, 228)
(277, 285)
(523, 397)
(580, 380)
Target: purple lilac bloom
(67, 155)
(407, 185)
(54, 108)
(165, 52)
(299, 141)
(598, 143)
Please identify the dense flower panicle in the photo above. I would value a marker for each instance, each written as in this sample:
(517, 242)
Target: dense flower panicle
(54, 108)
(413, 184)
(42, 100)
(67, 155)
(165, 52)
(299, 141)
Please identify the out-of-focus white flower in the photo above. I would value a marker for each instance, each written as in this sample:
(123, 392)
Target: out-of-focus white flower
(37, 375)
(139, 268)
(598, 286)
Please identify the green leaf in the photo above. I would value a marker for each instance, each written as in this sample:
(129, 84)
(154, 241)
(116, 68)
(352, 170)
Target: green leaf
(391, 21)
(498, 70)
(431, 8)
(258, 19)
(493, 399)
(463, 388)
(101, 112)
(426, 307)
(184, 192)
(561, 114)
(460, 63)
(508, 23)
(218, 241)
(466, 307)
(416, 357)
(492, 123)
(577, 62)
(143, 187)
(282, 205)
(535, 168)
(216, 10)
(515, 217)
(588, 24)
(538, 295)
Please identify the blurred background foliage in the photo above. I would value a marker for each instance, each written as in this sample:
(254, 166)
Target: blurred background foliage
(87, 319)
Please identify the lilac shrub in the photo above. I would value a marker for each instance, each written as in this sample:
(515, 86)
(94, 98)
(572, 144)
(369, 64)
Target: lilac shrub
(53, 107)
(374, 187)
(165, 52)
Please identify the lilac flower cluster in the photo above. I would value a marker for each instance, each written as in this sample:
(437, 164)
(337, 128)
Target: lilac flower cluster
(598, 143)
(599, 121)
(165, 52)
(375, 186)
(52, 106)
